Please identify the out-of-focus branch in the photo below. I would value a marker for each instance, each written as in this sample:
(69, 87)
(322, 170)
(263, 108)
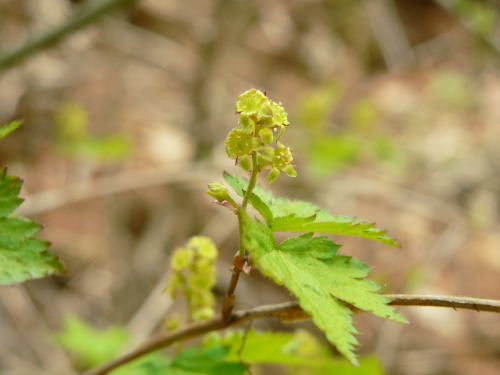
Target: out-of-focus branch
(108, 185)
(389, 33)
(285, 311)
(88, 14)
(488, 40)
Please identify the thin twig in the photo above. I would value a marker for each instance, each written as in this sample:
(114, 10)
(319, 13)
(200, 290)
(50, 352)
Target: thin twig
(280, 310)
(99, 187)
(228, 304)
(88, 14)
(389, 33)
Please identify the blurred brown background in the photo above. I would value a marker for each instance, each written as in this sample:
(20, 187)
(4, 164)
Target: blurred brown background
(394, 109)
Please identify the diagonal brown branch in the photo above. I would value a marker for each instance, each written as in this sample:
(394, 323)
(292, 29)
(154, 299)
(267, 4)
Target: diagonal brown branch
(88, 14)
(284, 311)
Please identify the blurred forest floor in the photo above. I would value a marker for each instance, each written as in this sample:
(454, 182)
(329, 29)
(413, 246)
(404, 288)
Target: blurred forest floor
(394, 110)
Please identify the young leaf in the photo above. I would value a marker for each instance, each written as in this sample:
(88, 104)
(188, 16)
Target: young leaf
(284, 215)
(6, 129)
(299, 349)
(324, 222)
(206, 361)
(90, 346)
(22, 257)
(239, 185)
(321, 283)
(317, 247)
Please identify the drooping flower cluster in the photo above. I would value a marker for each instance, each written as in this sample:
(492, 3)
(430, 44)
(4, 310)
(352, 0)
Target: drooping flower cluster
(262, 122)
(194, 276)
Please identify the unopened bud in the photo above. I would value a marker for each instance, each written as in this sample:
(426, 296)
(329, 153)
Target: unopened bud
(274, 173)
(181, 259)
(247, 124)
(218, 191)
(266, 135)
(290, 171)
(245, 162)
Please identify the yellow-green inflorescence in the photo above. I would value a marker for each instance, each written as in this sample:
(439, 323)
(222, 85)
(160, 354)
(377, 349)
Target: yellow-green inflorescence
(262, 122)
(193, 276)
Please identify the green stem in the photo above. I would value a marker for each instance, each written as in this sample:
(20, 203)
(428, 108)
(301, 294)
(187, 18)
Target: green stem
(242, 210)
(252, 182)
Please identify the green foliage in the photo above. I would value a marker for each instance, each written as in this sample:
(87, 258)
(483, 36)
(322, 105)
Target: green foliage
(479, 15)
(320, 284)
(315, 107)
(205, 360)
(300, 352)
(284, 215)
(74, 139)
(194, 360)
(194, 277)
(88, 345)
(8, 128)
(152, 364)
(452, 89)
(22, 256)
(330, 153)
(358, 137)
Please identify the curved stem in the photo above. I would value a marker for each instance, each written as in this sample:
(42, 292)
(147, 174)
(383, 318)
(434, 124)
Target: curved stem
(85, 16)
(282, 311)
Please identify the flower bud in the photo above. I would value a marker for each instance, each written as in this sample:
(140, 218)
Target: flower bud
(218, 191)
(245, 162)
(239, 143)
(290, 171)
(266, 135)
(263, 160)
(274, 173)
(181, 259)
(204, 313)
(266, 110)
(247, 124)
(206, 247)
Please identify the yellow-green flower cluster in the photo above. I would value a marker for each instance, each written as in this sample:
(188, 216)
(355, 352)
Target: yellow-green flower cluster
(262, 122)
(194, 276)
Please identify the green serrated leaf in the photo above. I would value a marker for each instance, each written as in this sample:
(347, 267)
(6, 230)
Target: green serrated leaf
(22, 257)
(301, 216)
(239, 185)
(318, 247)
(319, 284)
(334, 225)
(8, 128)
(261, 207)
